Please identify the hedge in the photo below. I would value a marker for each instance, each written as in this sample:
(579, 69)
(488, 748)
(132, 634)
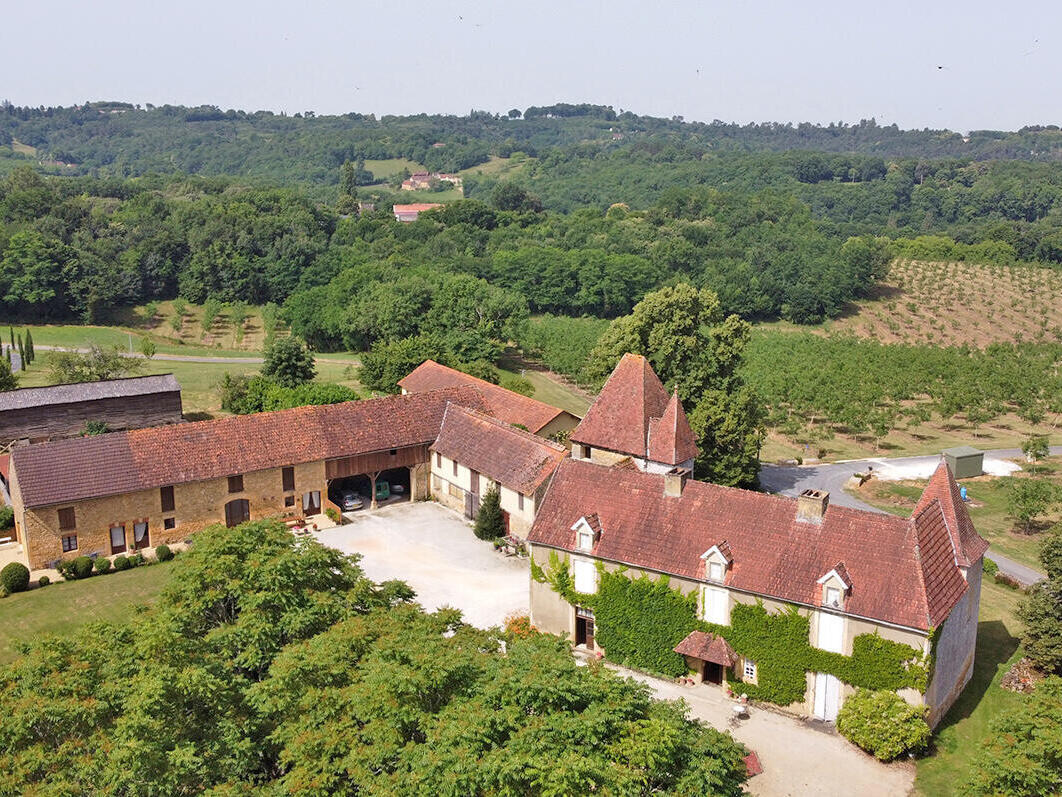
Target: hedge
(883, 723)
(639, 622)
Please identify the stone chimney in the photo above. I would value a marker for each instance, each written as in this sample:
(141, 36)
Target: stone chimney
(675, 481)
(811, 506)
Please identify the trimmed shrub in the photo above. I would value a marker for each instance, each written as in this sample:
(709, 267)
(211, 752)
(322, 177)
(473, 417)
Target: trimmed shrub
(44, 581)
(121, 562)
(163, 553)
(71, 570)
(15, 577)
(883, 724)
(989, 567)
(103, 565)
(136, 559)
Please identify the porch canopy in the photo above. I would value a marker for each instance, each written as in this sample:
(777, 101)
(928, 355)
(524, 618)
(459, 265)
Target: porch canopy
(707, 647)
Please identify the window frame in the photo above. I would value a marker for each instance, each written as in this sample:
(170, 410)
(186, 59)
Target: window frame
(835, 601)
(586, 566)
(236, 483)
(72, 515)
(289, 500)
(713, 567)
(167, 493)
(584, 539)
(287, 479)
(455, 466)
(169, 523)
(749, 670)
(68, 548)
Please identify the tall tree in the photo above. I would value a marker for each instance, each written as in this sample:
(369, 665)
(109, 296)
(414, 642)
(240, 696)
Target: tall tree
(1041, 610)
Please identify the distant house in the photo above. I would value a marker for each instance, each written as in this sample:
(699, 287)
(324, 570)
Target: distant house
(513, 408)
(36, 414)
(411, 212)
(422, 181)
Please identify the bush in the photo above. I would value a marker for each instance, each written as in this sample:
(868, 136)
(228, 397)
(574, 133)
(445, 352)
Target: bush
(44, 581)
(136, 559)
(333, 515)
(103, 565)
(3, 592)
(15, 577)
(883, 724)
(989, 567)
(71, 570)
(122, 563)
(163, 553)
(7, 517)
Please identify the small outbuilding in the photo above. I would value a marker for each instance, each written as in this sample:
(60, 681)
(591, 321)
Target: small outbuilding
(965, 462)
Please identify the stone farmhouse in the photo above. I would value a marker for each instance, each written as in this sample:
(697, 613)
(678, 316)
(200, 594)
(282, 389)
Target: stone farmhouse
(422, 181)
(625, 500)
(36, 414)
(412, 212)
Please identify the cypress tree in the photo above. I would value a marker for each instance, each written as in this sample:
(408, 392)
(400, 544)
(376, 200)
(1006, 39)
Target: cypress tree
(30, 354)
(490, 523)
(7, 353)
(21, 351)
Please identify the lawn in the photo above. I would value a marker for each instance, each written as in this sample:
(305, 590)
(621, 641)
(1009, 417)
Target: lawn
(955, 742)
(383, 170)
(65, 606)
(988, 508)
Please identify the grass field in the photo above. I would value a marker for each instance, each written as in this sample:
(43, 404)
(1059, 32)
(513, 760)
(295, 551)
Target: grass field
(383, 170)
(496, 167)
(956, 740)
(951, 304)
(66, 606)
(988, 509)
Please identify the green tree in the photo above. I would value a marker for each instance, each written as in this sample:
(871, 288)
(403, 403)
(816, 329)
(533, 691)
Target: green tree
(147, 348)
(8, 380)
(31, 275)
(386, 363)
(1035, 447)
(1041, 610)
(490, 523)
(698, 351)
(30, 354)
(1022, 754)
(1029, 499)
(288, 362)
(211, 309)
(65, 367)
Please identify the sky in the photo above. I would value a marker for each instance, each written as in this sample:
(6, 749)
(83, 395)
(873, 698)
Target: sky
(936, 63)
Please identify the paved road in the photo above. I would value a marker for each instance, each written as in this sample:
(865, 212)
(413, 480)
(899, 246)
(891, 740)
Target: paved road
(188, 358)
(832, 477)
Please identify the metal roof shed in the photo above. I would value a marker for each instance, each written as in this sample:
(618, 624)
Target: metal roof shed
(965, 462)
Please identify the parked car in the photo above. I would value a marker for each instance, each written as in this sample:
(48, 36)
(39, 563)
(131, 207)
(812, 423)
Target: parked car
(398, 489)
(383, 490)
(349, 501)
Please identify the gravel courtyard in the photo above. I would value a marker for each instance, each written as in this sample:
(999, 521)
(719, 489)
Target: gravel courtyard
(433, 550)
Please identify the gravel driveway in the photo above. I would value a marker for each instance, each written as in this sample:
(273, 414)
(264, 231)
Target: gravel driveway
(433, 550)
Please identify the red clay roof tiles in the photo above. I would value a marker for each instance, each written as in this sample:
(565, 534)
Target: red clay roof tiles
(707, 647)
(618, 420)
(140, 459)
(942, 487)
(504, 404)
(773, 554)
(670, 437)
(516, 459)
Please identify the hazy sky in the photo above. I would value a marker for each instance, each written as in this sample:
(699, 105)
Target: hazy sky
(737, 61)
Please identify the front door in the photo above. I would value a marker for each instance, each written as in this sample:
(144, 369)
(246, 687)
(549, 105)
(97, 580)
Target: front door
(713, 673)
(584, 628)
(827, 696)
(117, 539)
(141, 536)
(311, 503)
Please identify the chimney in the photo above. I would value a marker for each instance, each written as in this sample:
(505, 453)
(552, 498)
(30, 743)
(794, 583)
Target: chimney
(675, 481)
(811, 506)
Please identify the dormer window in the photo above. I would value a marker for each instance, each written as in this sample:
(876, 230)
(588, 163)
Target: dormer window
(717, 561)
(587, 532)
(833, 596)
(836, 585)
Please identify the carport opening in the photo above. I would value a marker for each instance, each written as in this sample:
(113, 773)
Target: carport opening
(356, 493)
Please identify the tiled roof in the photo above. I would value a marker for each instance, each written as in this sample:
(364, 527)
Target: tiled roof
(515, 458)
(773, 554)
(618, 420)
(26, 397)
(944, 585)
(140, 459)
(670, 438)
(969, 545)
(707, 647)
(504, 404)
(416, 207)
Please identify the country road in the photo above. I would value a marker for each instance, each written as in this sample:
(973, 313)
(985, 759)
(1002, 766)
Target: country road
(793, 479)
(187, 358)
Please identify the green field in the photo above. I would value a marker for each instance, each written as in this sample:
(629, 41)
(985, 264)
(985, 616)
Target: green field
(383, 170)
(64, 607)
(956, 741)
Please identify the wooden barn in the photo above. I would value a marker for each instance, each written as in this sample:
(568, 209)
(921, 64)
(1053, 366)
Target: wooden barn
(37, 414)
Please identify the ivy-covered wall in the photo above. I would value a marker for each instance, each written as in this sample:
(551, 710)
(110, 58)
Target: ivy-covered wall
(639, 621)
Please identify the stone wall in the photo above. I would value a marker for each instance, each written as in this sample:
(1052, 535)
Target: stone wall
(196, 506)
(449, 489)
(956, 642)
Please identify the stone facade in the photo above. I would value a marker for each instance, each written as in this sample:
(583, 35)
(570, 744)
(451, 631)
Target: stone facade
(551, 613)
(196, 506)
